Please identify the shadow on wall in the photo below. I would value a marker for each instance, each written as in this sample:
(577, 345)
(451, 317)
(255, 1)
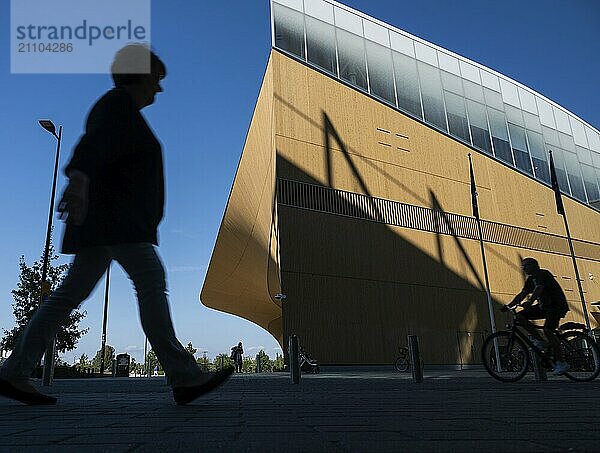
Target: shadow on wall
(356, 288)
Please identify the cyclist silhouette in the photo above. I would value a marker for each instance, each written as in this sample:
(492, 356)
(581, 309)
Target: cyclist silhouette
(552, 306)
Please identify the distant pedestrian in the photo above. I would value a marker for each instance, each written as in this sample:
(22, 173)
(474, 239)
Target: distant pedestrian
(237, 356)
(113, 204)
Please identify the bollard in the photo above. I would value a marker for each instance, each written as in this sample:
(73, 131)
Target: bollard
(415, 358)
(257, 363)
(48, 373)
(538, 369)
(294, 362)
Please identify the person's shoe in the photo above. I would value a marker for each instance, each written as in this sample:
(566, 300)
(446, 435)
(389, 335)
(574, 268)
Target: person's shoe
(24, 393)
(560, 368)
(185, 395)
(541, 344)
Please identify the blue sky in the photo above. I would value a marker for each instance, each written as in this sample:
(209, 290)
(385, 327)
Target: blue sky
(216, 57)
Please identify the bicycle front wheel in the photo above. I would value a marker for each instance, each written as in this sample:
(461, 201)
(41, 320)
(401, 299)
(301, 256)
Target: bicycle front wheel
(401, 364)
(514, 359)
(582, 355)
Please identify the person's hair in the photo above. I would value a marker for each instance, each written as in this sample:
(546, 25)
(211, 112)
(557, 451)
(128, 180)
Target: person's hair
(530, 261)
(134, 62)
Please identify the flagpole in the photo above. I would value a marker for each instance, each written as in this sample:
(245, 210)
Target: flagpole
(487, 281)
(485, 271)
(561, 210)
(585, 313)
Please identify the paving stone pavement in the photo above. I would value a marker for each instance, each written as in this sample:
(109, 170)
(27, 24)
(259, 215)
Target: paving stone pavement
(349, 411)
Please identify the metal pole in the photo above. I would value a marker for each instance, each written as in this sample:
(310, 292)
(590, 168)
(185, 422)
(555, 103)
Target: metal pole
(415, 358)
(294, 362)
(489, 295)
(258, 363)
(146, 364)
(585, 313)
(51, 348)
(104, 320)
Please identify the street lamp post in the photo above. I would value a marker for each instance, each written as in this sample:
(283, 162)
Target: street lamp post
(50, 351)
(146, 363)
(104, 319)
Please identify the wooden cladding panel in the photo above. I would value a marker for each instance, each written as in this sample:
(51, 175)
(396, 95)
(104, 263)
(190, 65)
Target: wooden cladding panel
(362, 282)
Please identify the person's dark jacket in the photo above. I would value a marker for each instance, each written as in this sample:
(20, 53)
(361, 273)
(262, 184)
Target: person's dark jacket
(552, 296)
(123, 159)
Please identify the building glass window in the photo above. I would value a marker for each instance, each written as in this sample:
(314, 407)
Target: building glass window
(473, 91)
(479, 126)
(491, 112)
(519, 145)
(379, 59)
(574, 174)
(289, 30)
(538, 156)
(550, 137)
(351, 53)
(590, 182)
(493, 99)
(320, 44)
(514, 115)
(431, 93)
(584, 155)
(532, 121)
(407, 84)
(457, 116)
(596, 160)
(500, 135)
(452, 83)
(566, 142)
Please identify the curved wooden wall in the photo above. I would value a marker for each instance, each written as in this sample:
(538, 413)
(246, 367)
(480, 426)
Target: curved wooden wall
(356, 288)
(243, 273)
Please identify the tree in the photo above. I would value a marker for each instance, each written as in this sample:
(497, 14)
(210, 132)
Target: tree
(278, 364)
(27, 299)
(109, 356)
(191, 349)
(266, 365)
(204, 362)
(248, 365)
(153, 363)
(134, 366)
(227, 362)
(83, 362)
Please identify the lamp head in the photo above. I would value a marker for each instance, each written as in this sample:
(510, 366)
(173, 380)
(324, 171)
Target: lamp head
(49, 126)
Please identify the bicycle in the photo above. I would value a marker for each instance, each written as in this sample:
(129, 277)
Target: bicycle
(580, 351)
(402, 363)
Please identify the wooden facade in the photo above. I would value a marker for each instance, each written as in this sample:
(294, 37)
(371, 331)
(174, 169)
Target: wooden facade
(359, 274)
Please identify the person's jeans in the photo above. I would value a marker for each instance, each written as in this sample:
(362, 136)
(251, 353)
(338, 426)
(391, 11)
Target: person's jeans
(142, 264)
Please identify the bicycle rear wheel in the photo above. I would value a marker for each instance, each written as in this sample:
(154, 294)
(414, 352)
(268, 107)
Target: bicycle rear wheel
(401, 364)
(514, 358)
(582, 355)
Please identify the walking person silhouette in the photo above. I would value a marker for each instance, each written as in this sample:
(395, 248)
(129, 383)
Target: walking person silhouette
(113, 205)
